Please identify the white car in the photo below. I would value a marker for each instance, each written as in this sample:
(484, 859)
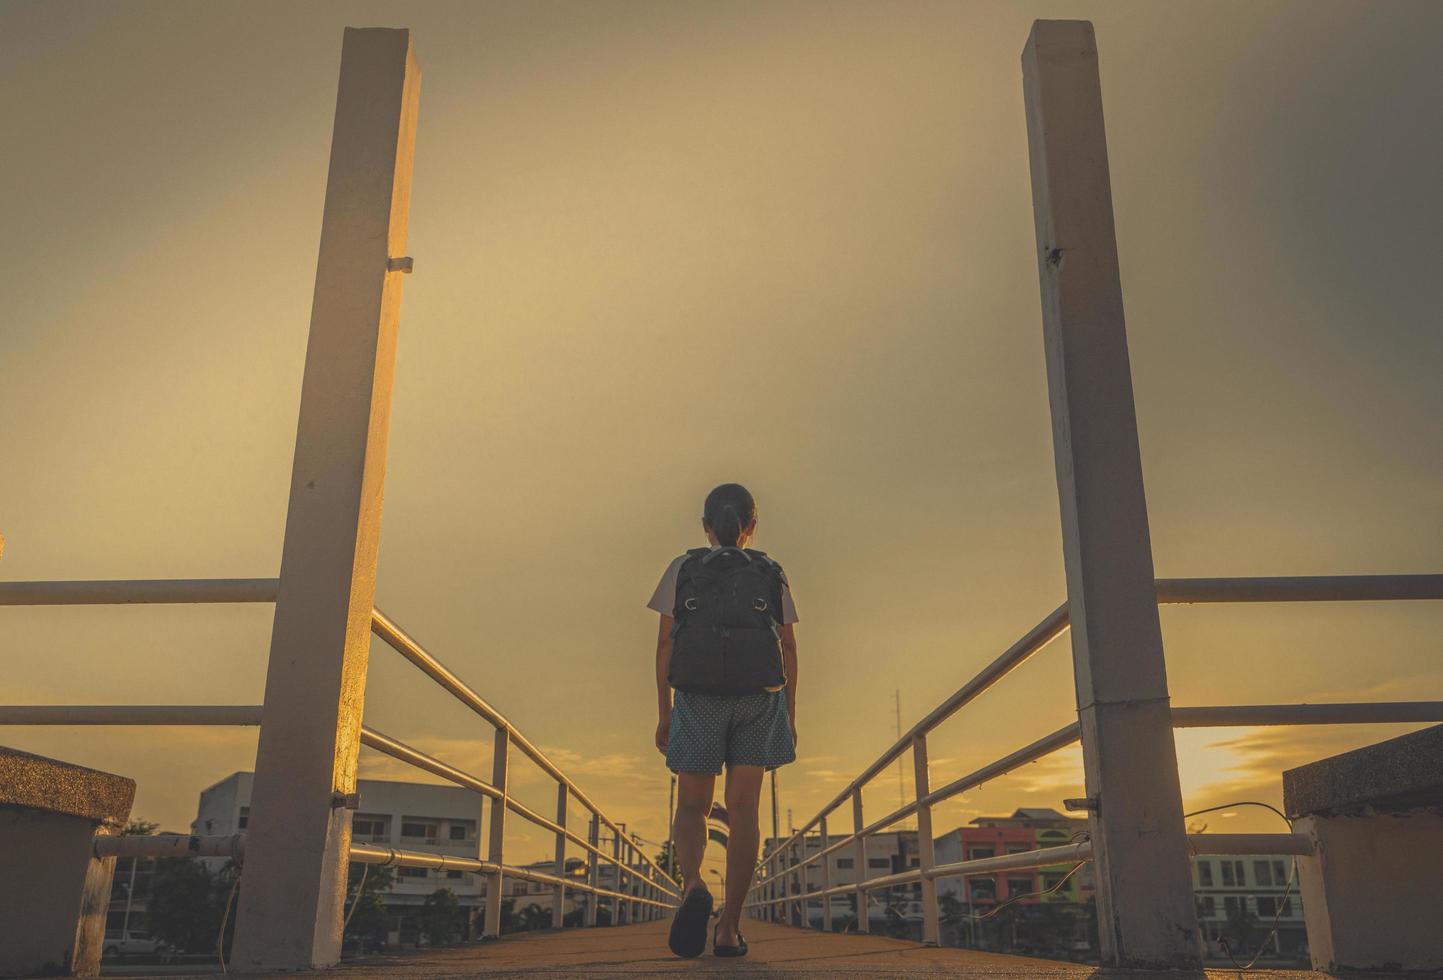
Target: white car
(130, 943)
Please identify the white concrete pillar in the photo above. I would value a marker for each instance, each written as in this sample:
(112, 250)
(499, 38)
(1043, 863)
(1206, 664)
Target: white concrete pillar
(496, 837)
(593, 837)
(826, 860)
(861, 859)
(1372, 890)
(52, 914)
(619, 907)
(558, 914)
(926, 854)
(289, 913)
(1145, 905)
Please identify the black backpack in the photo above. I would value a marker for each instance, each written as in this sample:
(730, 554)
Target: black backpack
(728, 608)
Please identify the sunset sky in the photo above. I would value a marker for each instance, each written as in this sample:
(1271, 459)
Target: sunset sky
(661, 246)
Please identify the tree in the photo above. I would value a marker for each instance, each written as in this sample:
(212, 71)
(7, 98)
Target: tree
(1241, 925)
(952, 913)
(665, 859)
(366, 888)
(533, 916)
(188, 902)
(441, 917)
(141, 828)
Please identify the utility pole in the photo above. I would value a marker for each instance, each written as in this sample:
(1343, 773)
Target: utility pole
(129, 897)
(901, 790)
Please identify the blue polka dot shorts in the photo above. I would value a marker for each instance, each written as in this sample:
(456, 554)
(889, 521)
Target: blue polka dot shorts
(739, 730)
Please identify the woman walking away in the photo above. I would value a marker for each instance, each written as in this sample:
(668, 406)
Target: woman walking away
(726, 646)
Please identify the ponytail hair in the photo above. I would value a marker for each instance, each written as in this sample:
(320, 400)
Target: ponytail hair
(728, 509)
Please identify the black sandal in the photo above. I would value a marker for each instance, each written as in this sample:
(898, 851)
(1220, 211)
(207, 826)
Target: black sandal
(688, 926)
(740, 949)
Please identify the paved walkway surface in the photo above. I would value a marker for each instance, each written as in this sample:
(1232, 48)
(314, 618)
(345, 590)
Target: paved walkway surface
(775, 951)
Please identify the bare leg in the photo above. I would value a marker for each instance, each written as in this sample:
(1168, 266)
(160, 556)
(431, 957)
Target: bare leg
(743, 793)
(694, 792)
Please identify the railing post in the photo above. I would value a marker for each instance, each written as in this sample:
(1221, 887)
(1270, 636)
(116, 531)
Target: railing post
(298, 838)
(495, 880)
(635, 888)
(558, 914)
(772, 892)
(861, 859)
(1146, 914)
(620, 918)
(791, 884)
(804, 903)
(926, 854)
(593, 837)
(826, 877)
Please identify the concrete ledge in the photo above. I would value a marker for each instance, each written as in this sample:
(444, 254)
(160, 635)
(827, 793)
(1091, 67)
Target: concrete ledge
(1400, 774)
(38, 783)
(53, 921)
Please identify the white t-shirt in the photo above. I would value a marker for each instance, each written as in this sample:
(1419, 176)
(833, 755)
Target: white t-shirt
(663, 600)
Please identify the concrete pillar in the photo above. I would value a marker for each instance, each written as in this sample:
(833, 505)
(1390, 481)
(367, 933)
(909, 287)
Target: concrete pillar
(496, 842)
(861, 859)
(826, 860)
(1372, 889)
(298, 837)
(620, 906)
(926, 853)
(1145, 906)
(593, 837)
(52, 910)
(558, 914)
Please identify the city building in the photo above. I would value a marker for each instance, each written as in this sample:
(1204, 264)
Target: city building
(887, 853)
(1238, 898)
(412, 816)
(1047, 907)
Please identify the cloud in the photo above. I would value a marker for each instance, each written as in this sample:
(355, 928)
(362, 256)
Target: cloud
(1257, 758)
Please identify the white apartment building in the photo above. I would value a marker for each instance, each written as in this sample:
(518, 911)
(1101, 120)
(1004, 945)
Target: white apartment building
(1233, 887)
(887, 853)
(414, 816)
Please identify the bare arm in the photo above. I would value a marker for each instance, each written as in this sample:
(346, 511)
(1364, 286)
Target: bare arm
(663, 688)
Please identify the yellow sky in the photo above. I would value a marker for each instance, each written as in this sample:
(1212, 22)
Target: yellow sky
(663, 245)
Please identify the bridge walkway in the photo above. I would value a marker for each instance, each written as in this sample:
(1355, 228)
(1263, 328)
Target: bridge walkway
(775, 951)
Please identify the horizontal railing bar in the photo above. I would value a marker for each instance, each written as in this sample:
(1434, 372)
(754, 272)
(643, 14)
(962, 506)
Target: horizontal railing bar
(399, 858)
(125, 591)
(169, 845)
(1028, 753)
(1042, 857)
(1311, 588)
(1249, 844)
(396, 638)
(400, 750)
(397, 749)
(1383, 712)
(1352, 713)
(1038, 637)
(1300, 588)
(1048, 856)
(130, 714)
(1046, 745)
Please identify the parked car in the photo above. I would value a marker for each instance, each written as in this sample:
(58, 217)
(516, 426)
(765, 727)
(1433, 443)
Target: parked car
(131, 944)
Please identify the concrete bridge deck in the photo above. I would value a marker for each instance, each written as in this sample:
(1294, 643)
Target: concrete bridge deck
(776, 951)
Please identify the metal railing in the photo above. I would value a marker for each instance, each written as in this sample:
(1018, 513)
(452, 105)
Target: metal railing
(782, 880)
(643, 889)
